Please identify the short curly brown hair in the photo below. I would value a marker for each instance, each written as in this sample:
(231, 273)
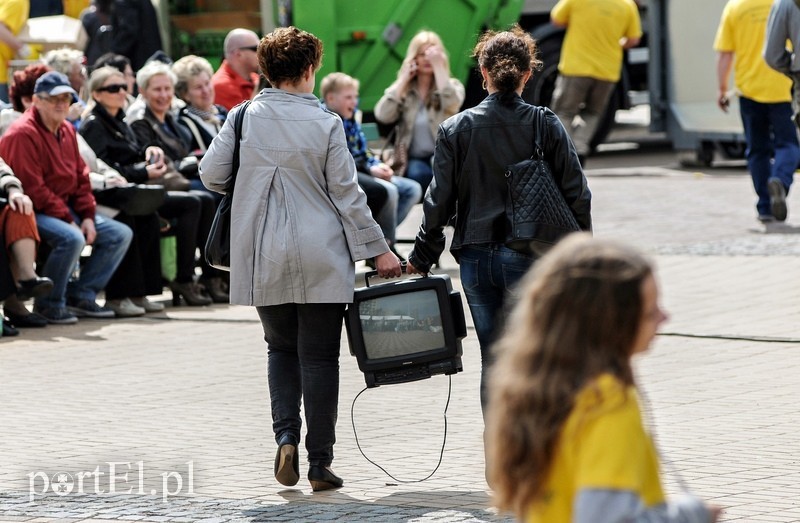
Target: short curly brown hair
(285, 54)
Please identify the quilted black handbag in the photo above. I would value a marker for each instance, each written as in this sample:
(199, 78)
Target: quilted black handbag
(537, 214)
(218, 244)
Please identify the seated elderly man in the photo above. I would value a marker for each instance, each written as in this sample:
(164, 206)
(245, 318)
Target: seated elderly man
(42, 150)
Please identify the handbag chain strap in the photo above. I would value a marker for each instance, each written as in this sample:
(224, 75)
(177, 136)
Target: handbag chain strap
(538, 133)
(238, 122)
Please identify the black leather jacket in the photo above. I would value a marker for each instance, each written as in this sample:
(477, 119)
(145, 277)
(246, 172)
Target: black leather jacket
(114, 142)
(473, 149)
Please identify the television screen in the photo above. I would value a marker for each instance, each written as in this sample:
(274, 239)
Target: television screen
(402, 324)
(406, 330)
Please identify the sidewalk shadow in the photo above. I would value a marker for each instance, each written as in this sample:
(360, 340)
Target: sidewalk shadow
(780, 228)
(85, 330)
(402, 506)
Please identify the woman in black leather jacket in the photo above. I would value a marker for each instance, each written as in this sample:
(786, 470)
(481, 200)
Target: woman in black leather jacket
(473, 150)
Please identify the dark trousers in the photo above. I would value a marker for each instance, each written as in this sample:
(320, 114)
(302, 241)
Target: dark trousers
(489, 276)
(139, 272)
(303, 364)
(376, 193)
(772, 148)
(182, 209)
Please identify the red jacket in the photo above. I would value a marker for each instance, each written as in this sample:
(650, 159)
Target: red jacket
(50, 167)
(230, 89)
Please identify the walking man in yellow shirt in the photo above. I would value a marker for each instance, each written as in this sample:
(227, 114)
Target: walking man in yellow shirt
(764, 103)
(591, 61)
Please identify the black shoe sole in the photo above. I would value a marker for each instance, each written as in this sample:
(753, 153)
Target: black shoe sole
(777, 199)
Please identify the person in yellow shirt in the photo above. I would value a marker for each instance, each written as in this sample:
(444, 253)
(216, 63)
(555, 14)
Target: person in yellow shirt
(565, 437)
(591, 61)
(764, 103)
(13, 15)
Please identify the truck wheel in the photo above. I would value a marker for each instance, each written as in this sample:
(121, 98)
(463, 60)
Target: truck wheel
(703, 156)
(539, 89)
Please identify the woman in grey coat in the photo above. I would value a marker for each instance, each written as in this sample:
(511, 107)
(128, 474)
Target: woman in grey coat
(299, 221)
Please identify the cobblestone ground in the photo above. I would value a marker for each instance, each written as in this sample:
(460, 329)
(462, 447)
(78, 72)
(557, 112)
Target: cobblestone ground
(188, 387)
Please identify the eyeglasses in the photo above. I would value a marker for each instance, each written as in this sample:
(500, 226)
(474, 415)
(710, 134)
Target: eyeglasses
(253, 48)
(113, 88)
(65, 98)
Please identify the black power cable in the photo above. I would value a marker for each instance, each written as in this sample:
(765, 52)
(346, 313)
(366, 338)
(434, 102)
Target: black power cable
(731, 337)
(444, 436)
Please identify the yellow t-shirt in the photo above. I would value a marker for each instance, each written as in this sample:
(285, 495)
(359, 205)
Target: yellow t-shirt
(13, 14)
(741, 31)
(594, 30)
(603, 445)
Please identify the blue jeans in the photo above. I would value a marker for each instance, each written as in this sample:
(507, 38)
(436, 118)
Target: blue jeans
(489, 276)
(303, 364)
(67, 242)
(409, 194)
(421, 171)
(402, 195)
(772, 147)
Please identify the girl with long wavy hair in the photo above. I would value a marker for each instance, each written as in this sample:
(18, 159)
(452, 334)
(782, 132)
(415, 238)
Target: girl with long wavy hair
(565, 437)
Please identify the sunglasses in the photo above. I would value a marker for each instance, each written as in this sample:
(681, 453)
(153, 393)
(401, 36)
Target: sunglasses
(113, 88)
(253, 48)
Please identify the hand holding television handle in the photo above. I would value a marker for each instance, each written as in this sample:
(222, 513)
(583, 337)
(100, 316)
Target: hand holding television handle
(388, 265)
(410, 269)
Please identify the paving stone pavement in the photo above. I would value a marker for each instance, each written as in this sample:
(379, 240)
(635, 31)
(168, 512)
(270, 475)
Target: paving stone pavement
(183, 394)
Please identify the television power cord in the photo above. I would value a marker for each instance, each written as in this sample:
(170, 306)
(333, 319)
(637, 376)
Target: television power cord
(441, 452)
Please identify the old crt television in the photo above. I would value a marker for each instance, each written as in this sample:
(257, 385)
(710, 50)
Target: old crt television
(406, 330)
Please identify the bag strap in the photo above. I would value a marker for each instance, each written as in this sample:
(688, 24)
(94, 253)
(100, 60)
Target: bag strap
(237, 136)
(539, 129)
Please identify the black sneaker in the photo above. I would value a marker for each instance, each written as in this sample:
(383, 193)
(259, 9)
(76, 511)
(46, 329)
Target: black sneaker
(57, 315)
(777, 198)
(88, 309)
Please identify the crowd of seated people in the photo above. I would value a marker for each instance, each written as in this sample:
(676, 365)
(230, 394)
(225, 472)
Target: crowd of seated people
(126, 128)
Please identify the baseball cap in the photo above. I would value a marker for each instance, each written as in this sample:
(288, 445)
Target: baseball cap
(54, 83)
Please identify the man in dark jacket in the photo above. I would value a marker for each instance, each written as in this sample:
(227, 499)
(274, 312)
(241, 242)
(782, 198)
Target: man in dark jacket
(136, 31)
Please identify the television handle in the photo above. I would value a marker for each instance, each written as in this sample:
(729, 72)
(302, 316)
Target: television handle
(372, 274)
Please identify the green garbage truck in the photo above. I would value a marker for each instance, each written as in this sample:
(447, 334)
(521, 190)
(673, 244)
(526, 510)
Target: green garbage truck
(673, 69)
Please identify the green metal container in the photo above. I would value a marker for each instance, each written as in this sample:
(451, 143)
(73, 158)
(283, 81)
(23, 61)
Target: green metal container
(367, 39)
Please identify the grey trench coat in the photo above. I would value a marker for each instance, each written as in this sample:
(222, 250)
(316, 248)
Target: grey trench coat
(299, 218)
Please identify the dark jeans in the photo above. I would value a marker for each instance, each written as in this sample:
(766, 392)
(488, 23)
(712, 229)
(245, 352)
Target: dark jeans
(489, 275)
(421, 171)
(772, 148)
(303, 364)
(376, 194)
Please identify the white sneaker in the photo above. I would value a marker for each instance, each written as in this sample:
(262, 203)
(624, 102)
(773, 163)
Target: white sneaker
(124, 308)
(147, 305)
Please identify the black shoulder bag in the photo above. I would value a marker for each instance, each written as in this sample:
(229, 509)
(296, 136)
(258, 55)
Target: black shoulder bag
(218, 244)
(536, 211)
